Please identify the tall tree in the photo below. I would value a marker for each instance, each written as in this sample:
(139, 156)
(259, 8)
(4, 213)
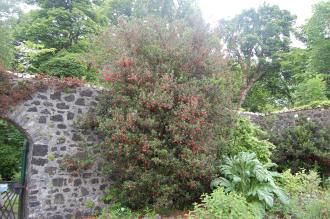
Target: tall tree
(275, 91)
(318, 40)
(6, 47)
(8, 11)
(252, 39)
(58, 24)
(169, 9)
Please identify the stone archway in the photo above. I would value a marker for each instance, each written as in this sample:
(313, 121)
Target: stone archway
(48, 120)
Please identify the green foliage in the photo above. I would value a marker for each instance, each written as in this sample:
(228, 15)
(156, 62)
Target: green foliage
(318, 40)
(262, 99)
(300, 182)
(163, 124)
(274, 92)
(317, 31)
(58, 26)
(158, 8)
(313, 105)
(8, 9)
(308, 199)
(31, 55)
(11, 144)
(246, 137)
(305, 145)
(313, 89)
(6, 47)
(35, 58)
(66, 64)
(222, 205)
(246, 175)
(253, 39)
(294, 65)
(89, 204)
(117, 211)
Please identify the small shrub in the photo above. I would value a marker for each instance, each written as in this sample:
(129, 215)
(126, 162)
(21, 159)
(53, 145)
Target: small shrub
(300, 182)
(308, 199)
(222, 205)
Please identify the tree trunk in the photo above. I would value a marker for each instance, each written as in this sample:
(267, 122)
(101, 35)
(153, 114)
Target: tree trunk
(242, 95)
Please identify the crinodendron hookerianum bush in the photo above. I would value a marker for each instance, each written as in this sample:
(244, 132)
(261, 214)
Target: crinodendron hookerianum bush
(167, 111)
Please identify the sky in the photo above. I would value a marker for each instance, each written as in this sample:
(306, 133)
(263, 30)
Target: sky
(213, 10)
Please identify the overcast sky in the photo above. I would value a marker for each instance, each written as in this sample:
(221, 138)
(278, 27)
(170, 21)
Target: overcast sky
(213, 10)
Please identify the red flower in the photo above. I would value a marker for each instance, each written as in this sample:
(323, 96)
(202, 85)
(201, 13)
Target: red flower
(132, 77)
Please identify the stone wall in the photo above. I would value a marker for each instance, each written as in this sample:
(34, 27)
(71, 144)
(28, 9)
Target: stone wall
(276, 122)
(48, 120)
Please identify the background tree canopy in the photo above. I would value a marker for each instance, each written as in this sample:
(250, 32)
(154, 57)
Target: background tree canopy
(318, 40)
(253, 39)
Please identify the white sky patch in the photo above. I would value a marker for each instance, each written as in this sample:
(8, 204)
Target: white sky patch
(213, 10)
(26, 8)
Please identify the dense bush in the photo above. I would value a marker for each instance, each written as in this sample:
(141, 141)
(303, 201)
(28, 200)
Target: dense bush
(305, 145)
(11, 144)
(249, 138)
(221, 205)
(167, 114)
(66, 64)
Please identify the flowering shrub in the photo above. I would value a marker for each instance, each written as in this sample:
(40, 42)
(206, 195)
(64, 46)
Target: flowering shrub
(167, 112)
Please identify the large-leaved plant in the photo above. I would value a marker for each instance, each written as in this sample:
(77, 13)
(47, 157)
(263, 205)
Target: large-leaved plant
(246, 175)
